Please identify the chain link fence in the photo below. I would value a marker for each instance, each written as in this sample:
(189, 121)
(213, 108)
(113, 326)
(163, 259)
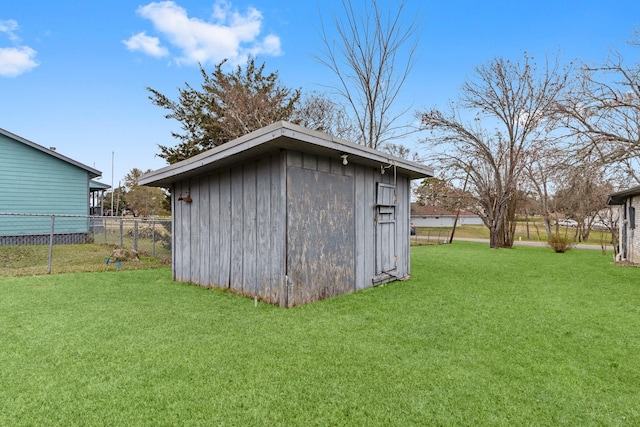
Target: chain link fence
(431, 236)
(35, 234)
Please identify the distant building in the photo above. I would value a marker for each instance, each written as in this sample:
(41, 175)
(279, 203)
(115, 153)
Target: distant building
(434, 216)
(290, 215)
(628, 241)
(36, 181)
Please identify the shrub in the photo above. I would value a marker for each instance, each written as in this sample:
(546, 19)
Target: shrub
(559, 243)
(124, 255)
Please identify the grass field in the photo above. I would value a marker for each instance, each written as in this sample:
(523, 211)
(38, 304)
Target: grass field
(476, 337)
(28, 260)
(539, 234)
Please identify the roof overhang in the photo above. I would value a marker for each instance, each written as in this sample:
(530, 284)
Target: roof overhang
(619, 197)
(98, 186)
(93, 173)
(279, 136)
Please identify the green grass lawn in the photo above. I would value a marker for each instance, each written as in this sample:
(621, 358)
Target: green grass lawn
(476, 337)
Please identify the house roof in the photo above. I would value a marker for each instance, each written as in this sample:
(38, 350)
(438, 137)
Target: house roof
(435, 211)
(619, 197)
(280, 135)
(93, 173)
(97, 186)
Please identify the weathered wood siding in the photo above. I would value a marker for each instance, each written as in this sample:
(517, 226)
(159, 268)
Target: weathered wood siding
(365, 180)
(630, 215)
(320, 229)
(33, 182)
(370, 245)
(290, 228)
(232, 234)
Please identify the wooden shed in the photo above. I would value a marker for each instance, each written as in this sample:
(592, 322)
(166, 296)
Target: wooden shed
(35, 182)
(290, 215)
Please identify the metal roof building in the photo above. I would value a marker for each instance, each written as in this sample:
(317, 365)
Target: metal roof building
(290, 215)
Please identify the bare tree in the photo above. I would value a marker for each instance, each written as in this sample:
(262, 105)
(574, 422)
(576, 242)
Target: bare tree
(319, 112)
(583, 196)
(372, 56)
(515, 99)
(601, 113)
(542, 172)
(441, 193)
(402, 151)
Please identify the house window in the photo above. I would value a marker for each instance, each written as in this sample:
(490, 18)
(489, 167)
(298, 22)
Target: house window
(632, 217)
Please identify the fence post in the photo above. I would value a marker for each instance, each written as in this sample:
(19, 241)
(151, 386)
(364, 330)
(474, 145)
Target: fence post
(53, 221)
(153, 237)
(135, 235)
(121, 233)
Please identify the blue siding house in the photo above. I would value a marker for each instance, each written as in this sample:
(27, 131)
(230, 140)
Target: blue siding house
(35, 180)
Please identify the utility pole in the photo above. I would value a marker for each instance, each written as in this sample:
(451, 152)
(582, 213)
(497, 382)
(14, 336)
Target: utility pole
(112, 189)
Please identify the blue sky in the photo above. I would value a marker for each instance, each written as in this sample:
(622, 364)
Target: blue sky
(73, 73)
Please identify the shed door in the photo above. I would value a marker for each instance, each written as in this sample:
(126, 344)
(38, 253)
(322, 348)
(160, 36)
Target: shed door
(386, 259)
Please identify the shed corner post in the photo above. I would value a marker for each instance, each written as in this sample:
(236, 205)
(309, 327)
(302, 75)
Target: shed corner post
(284, 206)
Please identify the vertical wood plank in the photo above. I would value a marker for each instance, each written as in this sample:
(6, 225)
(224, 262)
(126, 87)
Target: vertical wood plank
(249, 229)
(195, 236)
(264, 229)
(185, 232)
(279, 229)
(309, 161)
(324, 164)
(335, 166)
(237, 222)
(174, 222)
(360, 228)
(348, 170)
(294, 158)
(404, 220)
(369, 223)
(204, 231)
(214, 230)
(224, 275)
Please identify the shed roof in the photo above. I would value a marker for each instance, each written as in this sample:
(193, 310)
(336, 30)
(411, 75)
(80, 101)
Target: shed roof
(279, 135)
(619, 197)
(93, 173)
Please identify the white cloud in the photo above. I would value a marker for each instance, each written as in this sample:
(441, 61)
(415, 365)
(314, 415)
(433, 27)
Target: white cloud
(229, 35)
(268, 45)
(8, 27)
(16, 60)
(144, 43)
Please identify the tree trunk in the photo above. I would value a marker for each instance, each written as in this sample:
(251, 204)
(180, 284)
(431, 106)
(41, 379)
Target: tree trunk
(494, 238)
(547, 225)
